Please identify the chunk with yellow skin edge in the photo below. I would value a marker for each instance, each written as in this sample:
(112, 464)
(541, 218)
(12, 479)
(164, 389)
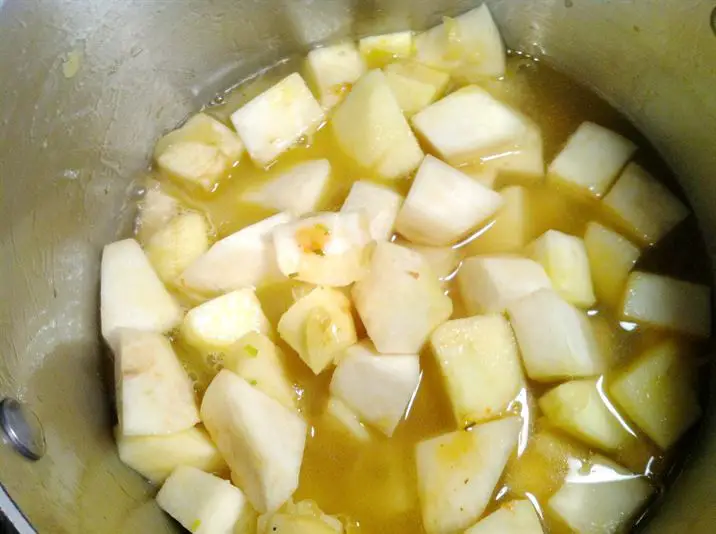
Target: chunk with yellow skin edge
(377, 50)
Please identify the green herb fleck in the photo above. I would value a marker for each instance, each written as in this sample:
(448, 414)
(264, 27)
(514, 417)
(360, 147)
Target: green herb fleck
(292, 275)
(251, 351)
(195, 525)
(253, 382)
(319, 252)
(323, 228)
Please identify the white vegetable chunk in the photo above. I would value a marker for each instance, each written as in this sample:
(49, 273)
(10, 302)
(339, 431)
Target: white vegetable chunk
(297, 190)
(579, 408)
(304, 517)
(327, 249)
(345, 420)
(564, 258)
(334, 69)
(524, 162)
(468, 124)
(555, 338)
(667, 303)
(488, 284)
(444, 261)
(219, 323)
(657, 391)
(244, 259)
(155, 457)
(512, 228)
(131, 294)
(415, 86)
(319, 326)
(377, 387)
(514, 517)
(645, 207)
(458, 472)
(154, 394)
(276, 120)
(444, 205)
(260, 439)
(379, 204)
(401, 300)
(591, 159)
(204, 503)
(156, 209)
(370, 128)
(611, 259)
(377, 50)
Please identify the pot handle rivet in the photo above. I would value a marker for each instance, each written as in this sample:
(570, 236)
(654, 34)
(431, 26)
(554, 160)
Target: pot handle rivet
(21, 429)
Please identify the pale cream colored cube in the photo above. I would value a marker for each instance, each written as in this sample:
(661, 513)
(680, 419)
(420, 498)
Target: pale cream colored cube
(379, 204)
(512, 228)
(156, 209)
(482, 173)
(415, 86)
(513, 517)
(377, 50)
(334, 69)
(444, 261)
(480, 366)
(667, 303)
(304, 517)
(524, 162)
(345, 420)
(276, 120)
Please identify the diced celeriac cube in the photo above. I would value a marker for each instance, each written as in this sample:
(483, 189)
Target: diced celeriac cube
(131, 293)
(369, 126)
(480, 366)
(458, 472)
(297, 190)
(513, 227)
(327, 249)
(200, 152)
(514, 517)
(378, 388)
(204, 503)
(276, 120)
(645, 207)
(175, 246)
(304, 517)
(334, 69)
(611, 258)
(524, 162)
(217, 324)
(601, 501)
(156, 209)
(667, 303)
(260, 439)
(415, 86)
(555, 338)
(244, 259)
(444, 205)
(319, 326)
(155, 457)
(469, 124)
(444, 261)
(154, 394)
(469, 45)
(379, 204)
(400, 300)
(579, 408)
(488, 284)
(657, 392)
(564, 258)
(377, 50)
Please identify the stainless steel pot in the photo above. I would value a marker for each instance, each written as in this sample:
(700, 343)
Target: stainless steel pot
(86, 86)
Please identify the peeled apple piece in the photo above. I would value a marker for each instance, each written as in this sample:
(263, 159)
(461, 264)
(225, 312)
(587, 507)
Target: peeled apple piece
(523, 163)
(156, 209)
(379, 204)
(377, 50)
(275, 121)
(334, 69)
(415, 85)
(444, 261)
(304, 517)
(345, 420)
(513, 517)
(444, 205)
(512, 228)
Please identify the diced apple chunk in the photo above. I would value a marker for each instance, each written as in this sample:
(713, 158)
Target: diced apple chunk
(377, 50)
(260, 439)
(488, 284)
(444, 261)
(444, 205)
(468, 124)
(458, 472)
(611, 258)
(304, 517)
(204, 503)
(480, 365)
(154, 394)
(667, 303)
(645, 207)
(377, 387)
(156, 209)
(513, 227)
(657, 392)
(319, 326)
(200, 152)
(578, 408)
(369, 127)
(555, 338)
(334, 69)
(523, 163)
(514, 517)
(400, 300)
(155, 457)
(219, 323)
(415, 86)
(297, 190)
(327, 249)
(564, 258)
(131, 294)
(244, 259)
(379, 204)
(276, 120)
(345, 420)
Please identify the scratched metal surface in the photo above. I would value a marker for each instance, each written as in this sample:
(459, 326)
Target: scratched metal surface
(87, 85)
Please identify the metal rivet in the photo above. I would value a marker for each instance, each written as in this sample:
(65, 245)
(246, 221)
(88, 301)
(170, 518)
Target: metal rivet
(21, 429)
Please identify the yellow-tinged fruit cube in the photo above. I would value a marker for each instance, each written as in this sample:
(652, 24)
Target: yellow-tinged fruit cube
(415, 85)
(379, 204)
(377, 50)
(512, 228)
(304, 517)
(411, 69)
(334, 69)
(525, 162)
(156, 209)
(513, 517)
(345, 420)
(444, 261)
(657, 391)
